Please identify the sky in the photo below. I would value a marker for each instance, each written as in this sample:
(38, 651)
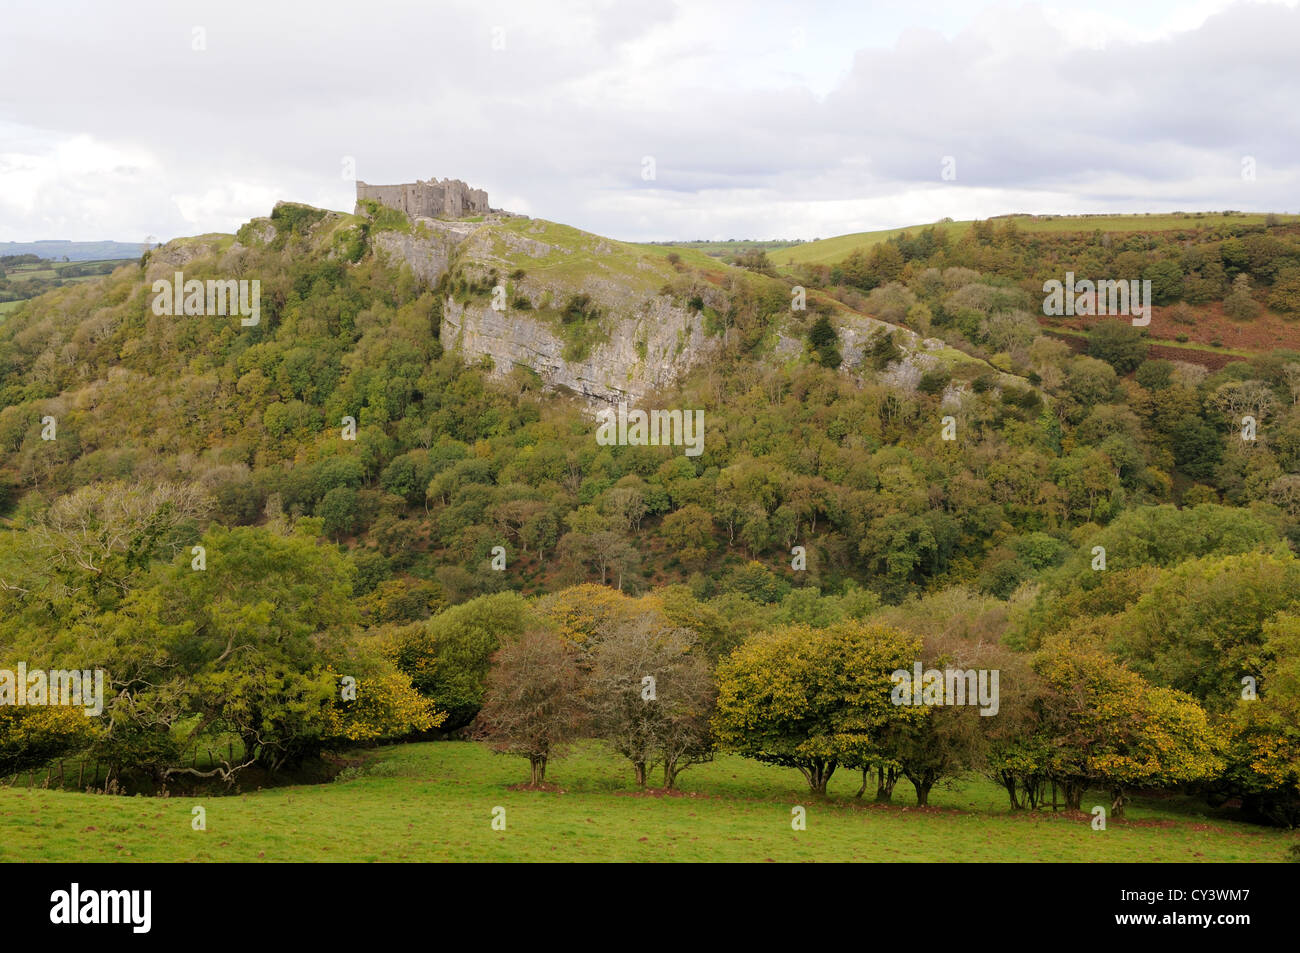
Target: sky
(644, 120)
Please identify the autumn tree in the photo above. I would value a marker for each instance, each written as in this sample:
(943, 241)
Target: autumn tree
(812, 699)
(1263, 749)
(1110, 728)
(533, 707)
(651, 694)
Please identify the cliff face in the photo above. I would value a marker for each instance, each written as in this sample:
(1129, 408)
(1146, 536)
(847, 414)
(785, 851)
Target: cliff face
(630, 340)
(642, 352)
(428, 252)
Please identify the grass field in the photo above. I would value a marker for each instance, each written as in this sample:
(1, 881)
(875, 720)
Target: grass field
(829, 251)
(434, 801)
(721, 249)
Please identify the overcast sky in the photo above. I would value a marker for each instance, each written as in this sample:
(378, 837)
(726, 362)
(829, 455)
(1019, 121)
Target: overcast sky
(764, 120)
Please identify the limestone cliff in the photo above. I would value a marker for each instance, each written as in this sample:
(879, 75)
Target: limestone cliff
(648, 347)
(613, 321)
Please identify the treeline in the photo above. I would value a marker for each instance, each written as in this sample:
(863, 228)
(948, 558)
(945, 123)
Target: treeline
(1196, 265)
(1173, 667)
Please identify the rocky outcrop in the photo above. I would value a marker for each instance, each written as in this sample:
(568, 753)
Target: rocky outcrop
(428, 249)
(182, 251)
(640, 353)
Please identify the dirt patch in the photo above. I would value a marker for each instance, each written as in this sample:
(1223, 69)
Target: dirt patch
(1214, 361)
(545, 787)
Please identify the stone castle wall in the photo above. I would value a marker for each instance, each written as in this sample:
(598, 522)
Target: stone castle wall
(448, 198)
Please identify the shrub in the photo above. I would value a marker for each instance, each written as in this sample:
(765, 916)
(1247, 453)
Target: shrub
(1120, 345)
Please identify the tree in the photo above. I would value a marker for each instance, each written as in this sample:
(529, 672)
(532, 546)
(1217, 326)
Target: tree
(1112, 729)
(448, 657)
(824, 342)
(812, 699)
(533, 705)
(626, 504)
(664, 721)
(1285, 294)
(1166, 279)
(339, 509)
(1240, 303)
(1263, 751)
(1200, 627)
(604, 551)
(1198, 448)
(689, 532)
(1010, 330)
(1091, 381)
(111, 531)
(1119, 344)
(255, 633)
(931, 742)
(1018, 746)
(386, 704)
(32, 735)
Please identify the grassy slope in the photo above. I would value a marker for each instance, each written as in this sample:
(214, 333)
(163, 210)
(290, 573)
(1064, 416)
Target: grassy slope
(576, 255)
(829, 251)
(434, 802)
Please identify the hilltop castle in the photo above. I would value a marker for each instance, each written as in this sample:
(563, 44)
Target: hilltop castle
(449, 198)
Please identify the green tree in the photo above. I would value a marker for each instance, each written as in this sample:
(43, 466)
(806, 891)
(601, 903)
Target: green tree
(1111, 729)
(825, 342)
(1119, 344)
(448, 657)
(1166, 279)
(812, 699)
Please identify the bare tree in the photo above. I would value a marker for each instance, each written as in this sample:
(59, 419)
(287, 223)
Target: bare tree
(533, 705)
(627, 506)
(651, 694)
(604, 551)
(1291, 374)
(110, 531)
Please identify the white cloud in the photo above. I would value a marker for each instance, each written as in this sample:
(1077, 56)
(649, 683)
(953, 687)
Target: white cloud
(789, 119)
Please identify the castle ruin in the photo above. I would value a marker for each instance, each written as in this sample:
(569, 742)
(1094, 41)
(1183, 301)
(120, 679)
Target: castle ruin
(448, 198)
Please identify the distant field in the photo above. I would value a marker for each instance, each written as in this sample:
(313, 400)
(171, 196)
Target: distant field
(18, 278)
(829, 251)
(731, 247)
(434, 801)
